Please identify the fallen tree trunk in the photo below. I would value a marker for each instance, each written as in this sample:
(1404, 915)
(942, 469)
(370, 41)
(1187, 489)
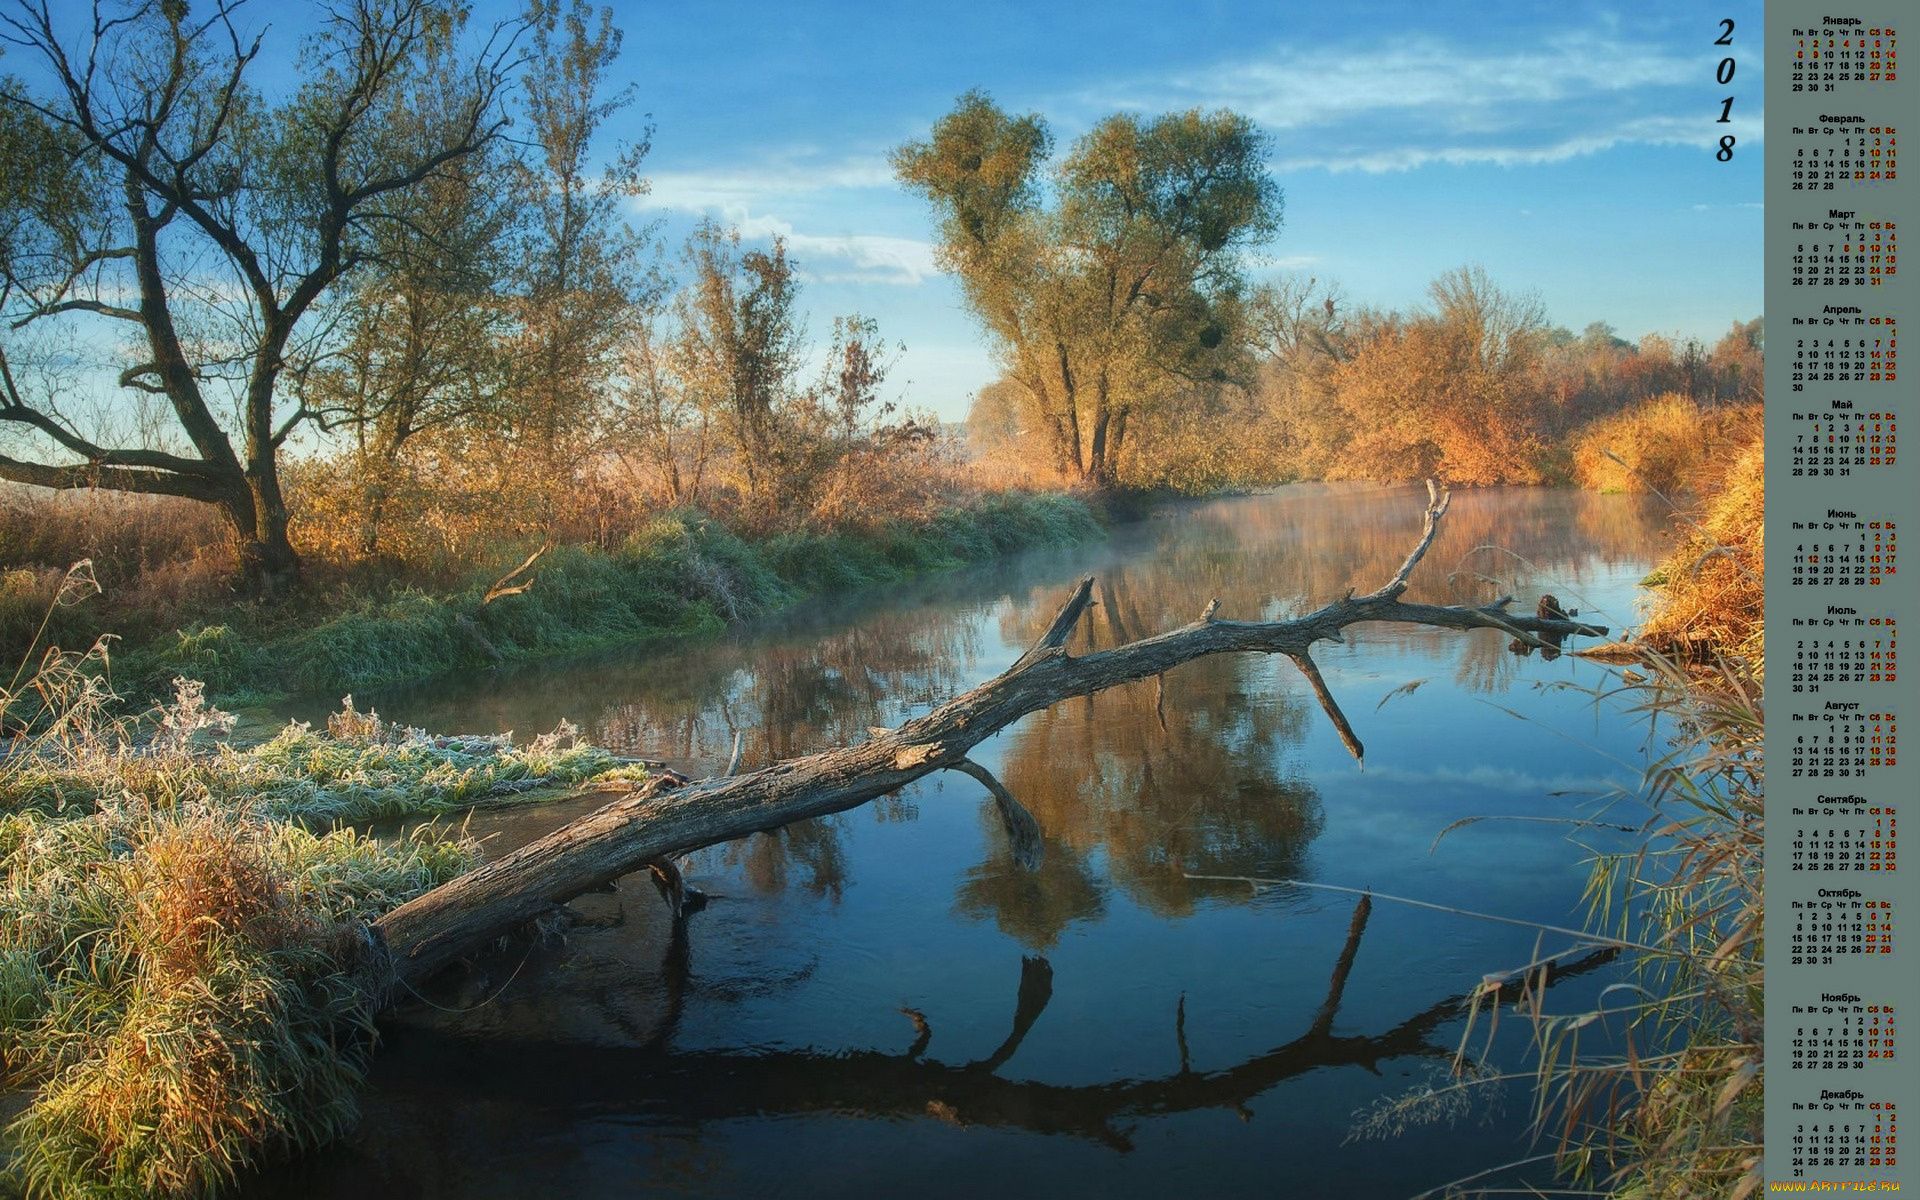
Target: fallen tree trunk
(670, 816)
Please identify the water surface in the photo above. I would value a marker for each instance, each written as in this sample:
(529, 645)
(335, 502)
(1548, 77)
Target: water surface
(884, 1002)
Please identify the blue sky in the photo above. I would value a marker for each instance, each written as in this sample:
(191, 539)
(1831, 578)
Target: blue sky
(1568, 149)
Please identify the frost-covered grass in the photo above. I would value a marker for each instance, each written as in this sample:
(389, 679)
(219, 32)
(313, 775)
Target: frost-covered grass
(183, 982)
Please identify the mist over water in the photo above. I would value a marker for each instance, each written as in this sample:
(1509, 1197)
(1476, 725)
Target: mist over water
(884, 1002)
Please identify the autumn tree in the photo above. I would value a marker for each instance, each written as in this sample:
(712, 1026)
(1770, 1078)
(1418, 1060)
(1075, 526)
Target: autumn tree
(716, 385)
(718, 377)
(419, 347)
(581, 275)
(740, 350)
(175, 205)
(1301, 329)
(1738, 361)
(661, 422)
(1109, 282)
(1449, 392)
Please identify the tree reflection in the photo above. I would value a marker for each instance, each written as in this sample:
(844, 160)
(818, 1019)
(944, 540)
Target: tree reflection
(808, 852)
(1133, 788)
(521, 1076)
(1158, 779)
(1206, 794)
(1033, 907)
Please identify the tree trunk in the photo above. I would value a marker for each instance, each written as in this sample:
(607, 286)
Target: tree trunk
(269, 565)
(661, 819)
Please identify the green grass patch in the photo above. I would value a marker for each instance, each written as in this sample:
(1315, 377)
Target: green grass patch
(680, 575)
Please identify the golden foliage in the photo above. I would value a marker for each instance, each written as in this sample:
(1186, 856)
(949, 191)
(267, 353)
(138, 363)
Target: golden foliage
(159, 560)
(1666, 444)
(198, 882)
(1713, 597)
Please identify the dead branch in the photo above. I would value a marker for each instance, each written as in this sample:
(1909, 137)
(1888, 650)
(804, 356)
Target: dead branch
(657, 823)
(504, 586)
(1023, 832)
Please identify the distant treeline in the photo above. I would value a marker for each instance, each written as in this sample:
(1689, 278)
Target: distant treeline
(1476, 387)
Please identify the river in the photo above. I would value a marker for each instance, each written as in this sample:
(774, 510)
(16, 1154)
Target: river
(884, 1003)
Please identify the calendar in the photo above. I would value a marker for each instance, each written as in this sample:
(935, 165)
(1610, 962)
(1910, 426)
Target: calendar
(1844, 250)
(1844, 1131)
(1824, 60)
(1845, 741)
(1850, 349)
(1841, 153)
(1835, 446)
(1841, 1033)
(1837, 922)
(1828, 661)
(1864, 844)
(1837, 493)
(1843, 550)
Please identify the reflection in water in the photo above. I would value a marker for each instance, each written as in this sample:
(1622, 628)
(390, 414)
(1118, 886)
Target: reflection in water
(807, 850)
(522, 1076)
(1206, 793)
(683, 1053)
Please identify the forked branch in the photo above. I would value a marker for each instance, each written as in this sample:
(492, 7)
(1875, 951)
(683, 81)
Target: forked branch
(660, 822)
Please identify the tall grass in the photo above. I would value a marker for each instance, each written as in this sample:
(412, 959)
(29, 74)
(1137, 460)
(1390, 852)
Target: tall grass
(179, 990)
(182, 928)
(1712, 594)
(1671, 1106)
(162, 561)
(1667, 443)
(680, 573)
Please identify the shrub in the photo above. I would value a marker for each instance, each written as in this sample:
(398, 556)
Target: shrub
(1666, 443)
(1712, 593)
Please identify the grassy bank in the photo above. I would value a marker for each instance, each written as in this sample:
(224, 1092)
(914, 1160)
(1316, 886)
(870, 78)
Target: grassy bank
(180, 945)
(679, 574)
(181, 983)
(1674, 1106)
(1696, 1123)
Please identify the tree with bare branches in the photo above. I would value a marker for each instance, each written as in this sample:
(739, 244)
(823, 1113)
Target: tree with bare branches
(178, 223)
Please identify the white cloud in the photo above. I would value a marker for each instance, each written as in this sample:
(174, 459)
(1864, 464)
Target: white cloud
(707, 191)
(849, 257)
(875, 258)
(1425, 101)
(1447, 83)
(746, 198)
(1646, 131)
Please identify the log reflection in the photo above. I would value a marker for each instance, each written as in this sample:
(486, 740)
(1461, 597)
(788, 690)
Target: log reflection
(698, 1086)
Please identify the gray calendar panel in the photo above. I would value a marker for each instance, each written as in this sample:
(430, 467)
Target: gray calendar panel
(1840, 970)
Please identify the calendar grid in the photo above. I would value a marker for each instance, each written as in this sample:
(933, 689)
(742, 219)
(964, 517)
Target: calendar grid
(1836, 106)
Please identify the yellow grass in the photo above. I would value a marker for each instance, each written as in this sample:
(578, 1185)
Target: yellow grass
(1666, 444)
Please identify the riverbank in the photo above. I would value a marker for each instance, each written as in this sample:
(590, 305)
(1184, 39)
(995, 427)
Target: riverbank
(1685, 1104)
(182, 982)
(916, 906)
(679, 575)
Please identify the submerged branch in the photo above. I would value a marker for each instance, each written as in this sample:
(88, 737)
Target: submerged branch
(663, 821)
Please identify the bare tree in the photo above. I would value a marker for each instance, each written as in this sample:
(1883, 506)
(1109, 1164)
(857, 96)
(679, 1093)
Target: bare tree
(174, 205)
